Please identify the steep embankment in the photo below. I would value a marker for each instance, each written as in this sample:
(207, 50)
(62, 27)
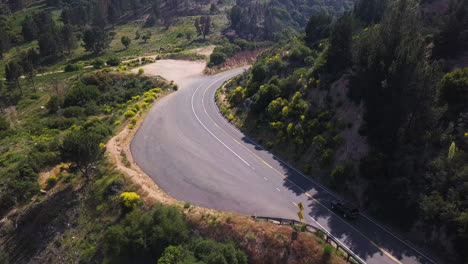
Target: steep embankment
(372, 113)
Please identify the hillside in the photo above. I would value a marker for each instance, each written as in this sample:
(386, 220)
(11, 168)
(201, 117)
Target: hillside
(374, 107)
(72, 81)
(277, 19)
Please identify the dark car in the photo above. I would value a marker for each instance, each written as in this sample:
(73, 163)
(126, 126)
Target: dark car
(346, 210)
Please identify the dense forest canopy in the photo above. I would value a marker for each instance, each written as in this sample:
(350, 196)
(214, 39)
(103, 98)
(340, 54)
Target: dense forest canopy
(399, 68)
(276, 19)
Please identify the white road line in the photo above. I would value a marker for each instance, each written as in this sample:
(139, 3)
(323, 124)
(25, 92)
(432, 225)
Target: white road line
(265, 178)
(235, 129)
(295, 204)
(278, 190)
(211, 133)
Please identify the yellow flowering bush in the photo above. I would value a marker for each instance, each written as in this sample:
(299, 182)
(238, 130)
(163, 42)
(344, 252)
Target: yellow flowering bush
(130, 200)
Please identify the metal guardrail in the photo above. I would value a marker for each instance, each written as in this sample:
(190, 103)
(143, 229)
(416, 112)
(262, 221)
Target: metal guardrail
(350, 256)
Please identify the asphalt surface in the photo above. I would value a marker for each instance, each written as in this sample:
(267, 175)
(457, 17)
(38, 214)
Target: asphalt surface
(196, 155)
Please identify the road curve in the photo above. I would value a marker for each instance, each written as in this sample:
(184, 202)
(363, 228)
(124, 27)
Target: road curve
(195, 155)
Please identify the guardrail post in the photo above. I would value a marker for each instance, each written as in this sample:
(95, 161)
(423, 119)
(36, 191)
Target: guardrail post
(347, 258)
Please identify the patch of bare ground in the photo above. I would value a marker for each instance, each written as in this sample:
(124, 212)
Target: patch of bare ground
(355, 146)
(242, 58)
(178, 71)
(205, 51)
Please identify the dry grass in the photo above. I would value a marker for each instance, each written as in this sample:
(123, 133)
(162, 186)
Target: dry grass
(243, 58)
(263, 242)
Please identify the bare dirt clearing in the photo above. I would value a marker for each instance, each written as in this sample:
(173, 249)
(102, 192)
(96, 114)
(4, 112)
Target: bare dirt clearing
(178, 71)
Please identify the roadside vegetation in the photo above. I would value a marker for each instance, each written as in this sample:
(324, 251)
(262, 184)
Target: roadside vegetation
(65, 90)
(370, 104)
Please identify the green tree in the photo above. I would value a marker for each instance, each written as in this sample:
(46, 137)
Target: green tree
(203, 25)
(13, 72)
(83, 149)
(4, 40)
(339, 49)
(96, 40)
(172, 255)
(29, 29)
(126, 41)
(51, 45)
(146, 36)
(318, 28)
(213, 9)
(452, 150)
(54, 104)
(454, 90)
(28, 62)
(69, 38)
(370, 12)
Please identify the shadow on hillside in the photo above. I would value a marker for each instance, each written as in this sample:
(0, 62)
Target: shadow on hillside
(40, 225)
(356, 233)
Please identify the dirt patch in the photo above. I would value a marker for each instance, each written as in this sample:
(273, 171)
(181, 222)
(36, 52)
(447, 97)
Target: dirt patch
(355, 146)
(205, 51)
(36, 226)
(174, 70)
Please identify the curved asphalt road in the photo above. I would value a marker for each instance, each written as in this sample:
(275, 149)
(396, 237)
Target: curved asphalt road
(195, 155)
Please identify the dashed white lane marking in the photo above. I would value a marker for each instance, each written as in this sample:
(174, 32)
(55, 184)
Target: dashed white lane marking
(211, 133)
(290, 166)
(320, 186)
(265, 178)
(295, 204)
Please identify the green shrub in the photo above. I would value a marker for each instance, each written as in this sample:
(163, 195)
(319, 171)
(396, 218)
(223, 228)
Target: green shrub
(128, 114)
(113, 61)
(54, 104)
(51, 181)
(236, 96)
(216, 58)
(145, 234)
(74, 111)
(98, 63)
(130, 200)
(328, 250)
(72, 68)
(319, 142)
(4, 125)
(326, 158)
(80, 95)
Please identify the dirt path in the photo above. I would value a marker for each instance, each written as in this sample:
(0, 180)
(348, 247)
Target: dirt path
(178, 71)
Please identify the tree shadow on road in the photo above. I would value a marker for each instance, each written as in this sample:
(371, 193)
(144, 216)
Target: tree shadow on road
(360, 234)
